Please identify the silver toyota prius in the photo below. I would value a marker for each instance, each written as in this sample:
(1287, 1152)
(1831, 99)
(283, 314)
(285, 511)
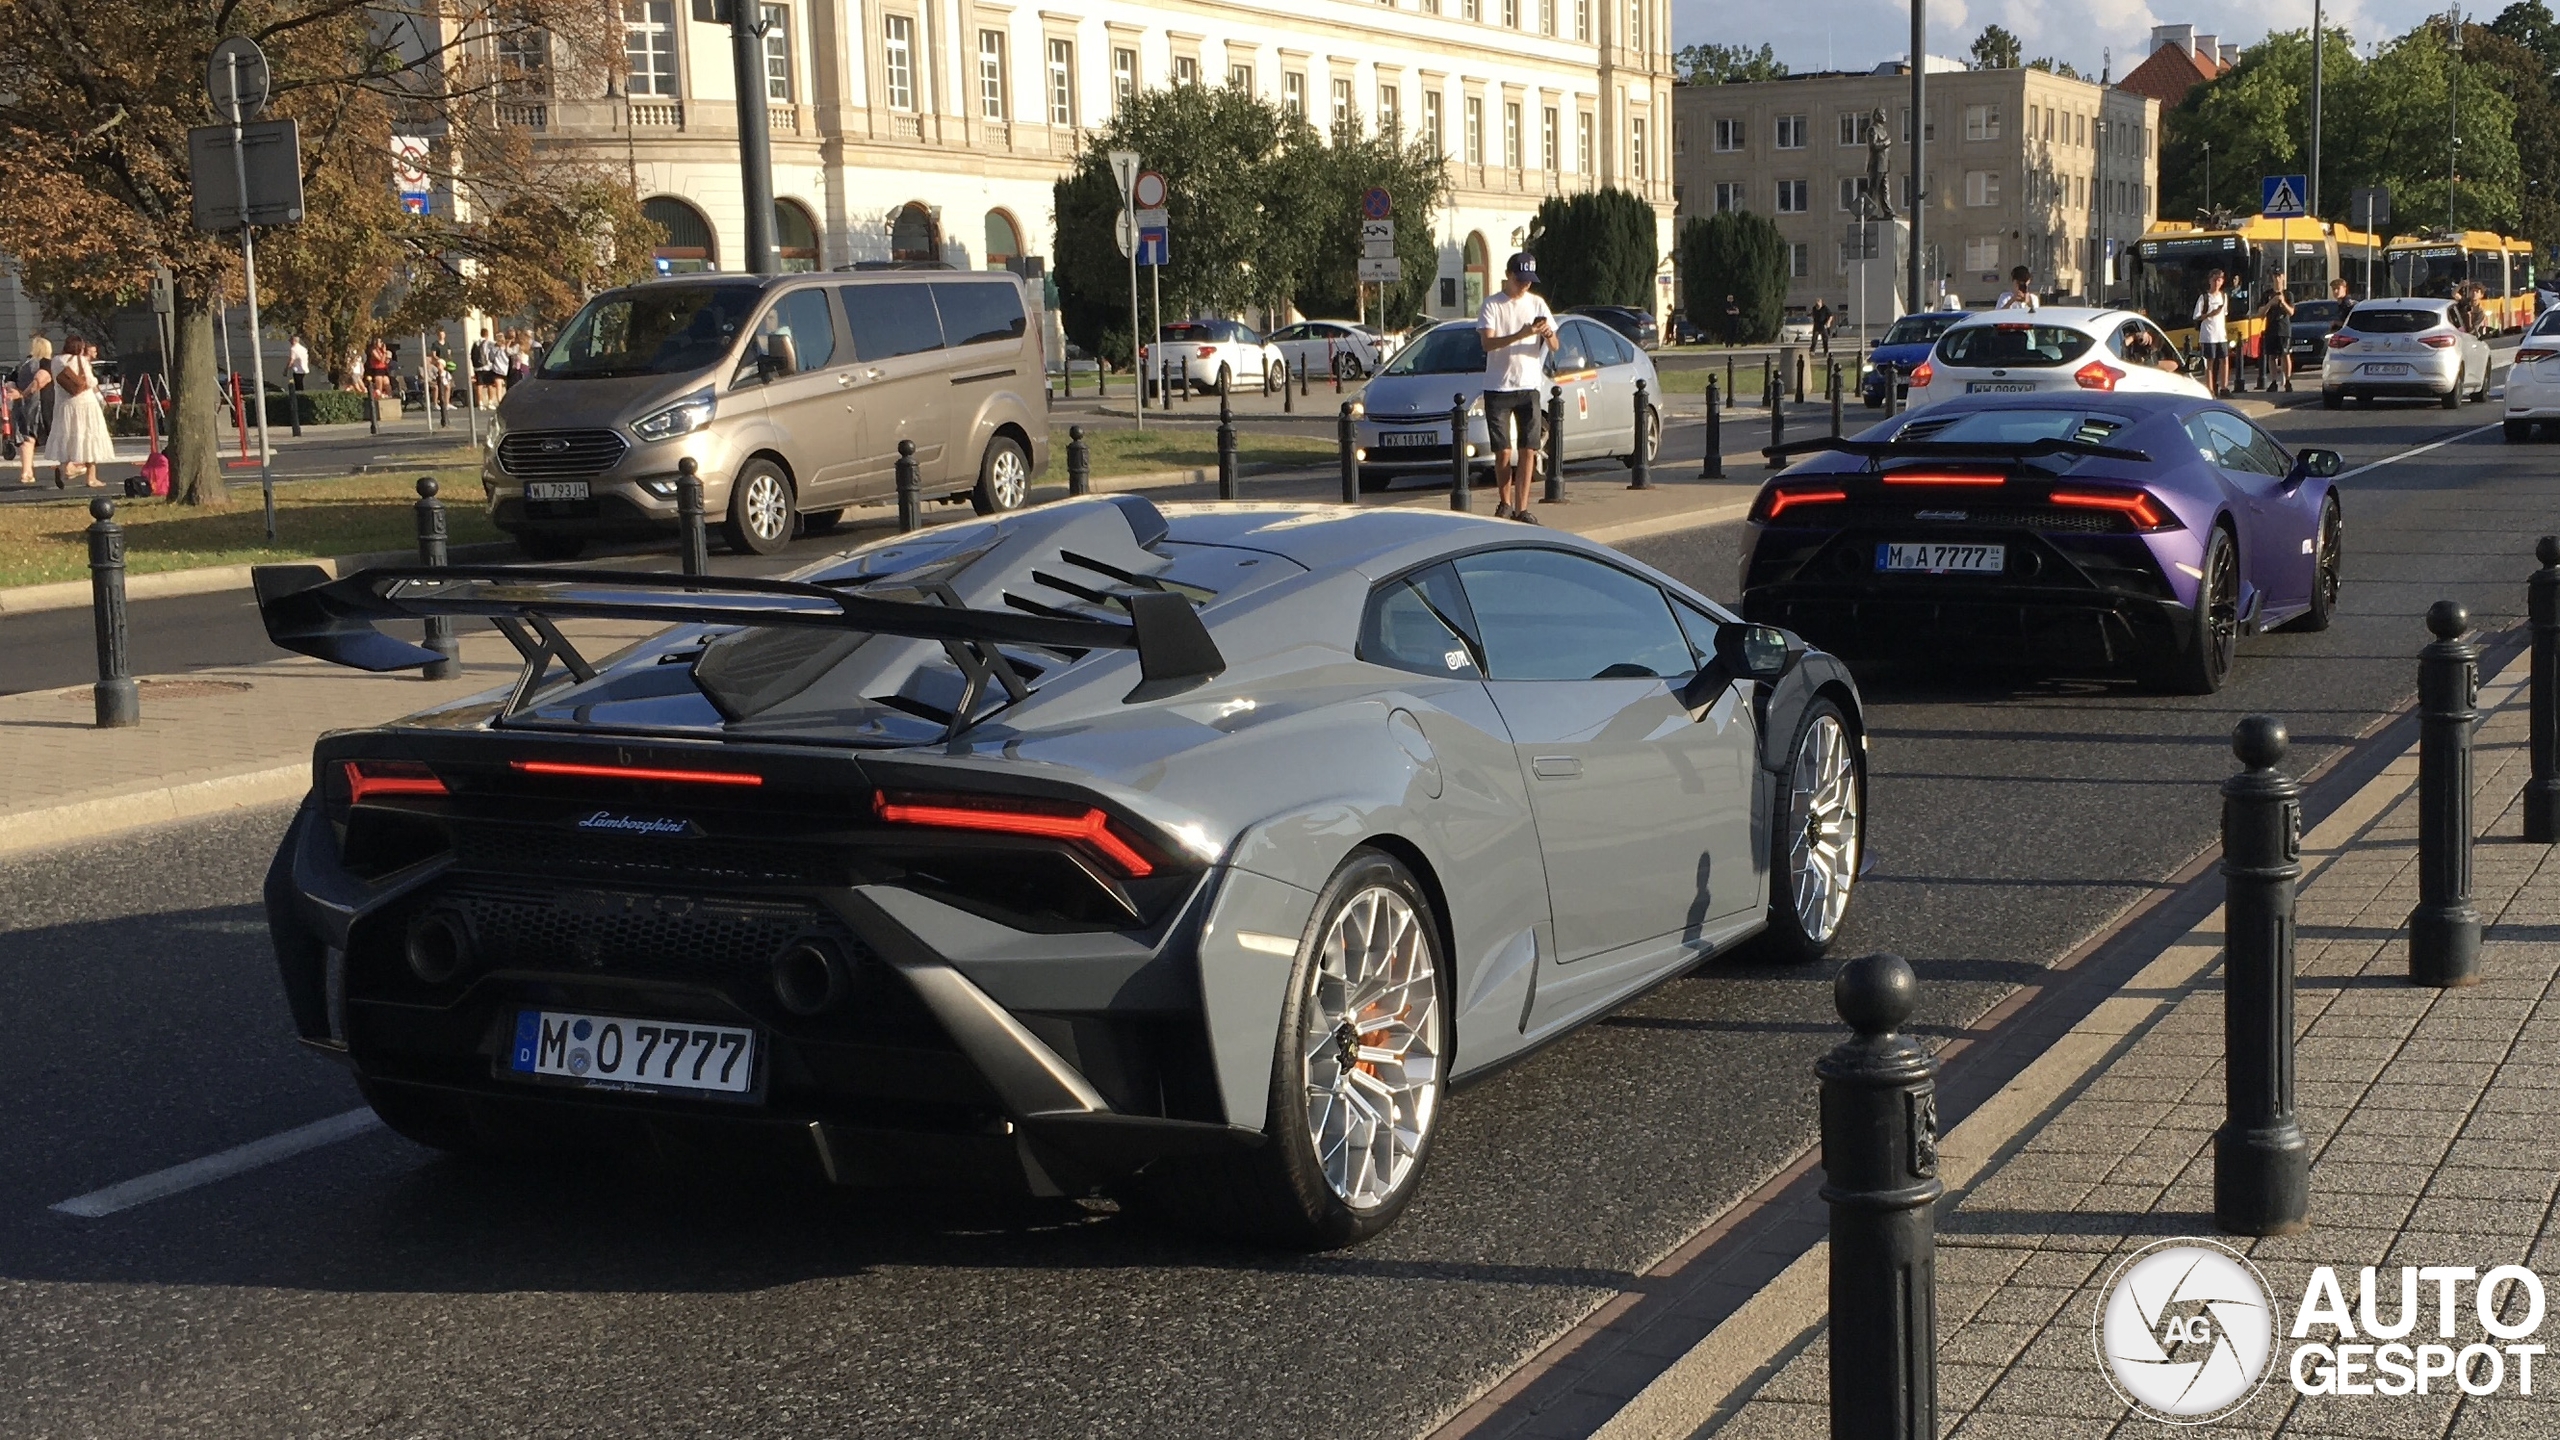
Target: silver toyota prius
(1403, 416)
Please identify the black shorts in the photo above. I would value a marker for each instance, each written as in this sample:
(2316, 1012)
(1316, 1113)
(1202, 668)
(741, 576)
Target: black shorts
(1530, 425)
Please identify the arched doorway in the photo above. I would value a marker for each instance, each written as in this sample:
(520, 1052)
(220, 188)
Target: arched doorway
(689, 247)
(1479, 273)
(1004, 240)
(911, 234)
(796, 236)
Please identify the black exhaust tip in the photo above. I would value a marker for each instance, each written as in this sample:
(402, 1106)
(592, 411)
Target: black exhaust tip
(439, 947)
(811, 977)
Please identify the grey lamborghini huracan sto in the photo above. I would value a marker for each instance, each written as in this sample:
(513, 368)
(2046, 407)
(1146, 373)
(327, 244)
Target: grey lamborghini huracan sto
(1185, 855)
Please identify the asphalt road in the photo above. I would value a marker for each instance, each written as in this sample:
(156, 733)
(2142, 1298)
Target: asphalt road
(370, 1287)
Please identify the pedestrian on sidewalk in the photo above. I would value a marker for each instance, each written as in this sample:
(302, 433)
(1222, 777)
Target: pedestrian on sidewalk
(2021, 293)
(2275, 347)
(297, 367)
(377, 369)
(1825, 319)
(31, 415)
(1517, 330)
(81, 440)
(520, 359)
(486, 371)
(2212, 311)
(1732, 321)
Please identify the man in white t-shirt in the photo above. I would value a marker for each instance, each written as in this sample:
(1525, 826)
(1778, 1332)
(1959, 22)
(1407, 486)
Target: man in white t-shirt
(2021, 294)
(1518, 330)
(2213, 336)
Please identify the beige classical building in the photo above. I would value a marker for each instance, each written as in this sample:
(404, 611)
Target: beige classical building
(2024, 168)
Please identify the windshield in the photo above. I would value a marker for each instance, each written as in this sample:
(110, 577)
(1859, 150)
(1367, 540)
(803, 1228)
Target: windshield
(2431, 273)
(1449, 350)
(1919, 329)
(2017, 344)
(657, 330)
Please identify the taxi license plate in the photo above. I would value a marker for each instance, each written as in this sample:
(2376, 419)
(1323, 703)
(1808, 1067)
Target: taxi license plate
(555, 490)
(1929, 558)
(618, 1052)
(2371, 369)
(1409, 437)
(1997, 387)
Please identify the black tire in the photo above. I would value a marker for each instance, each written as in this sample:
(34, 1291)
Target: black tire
(1278, 1194)
(2201, 665)
(1004, 478)
(759, 520)
(548, 545)
(2452, 399)
(1802, 826)
(1346, 366)
(820, 522)
(1373, 481)
(2518, 431)
(2332, 400)
(2328, 564)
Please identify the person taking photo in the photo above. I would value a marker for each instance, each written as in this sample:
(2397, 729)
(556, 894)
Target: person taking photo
(1517, 330)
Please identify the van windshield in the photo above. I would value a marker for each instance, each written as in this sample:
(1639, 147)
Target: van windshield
(657, 330)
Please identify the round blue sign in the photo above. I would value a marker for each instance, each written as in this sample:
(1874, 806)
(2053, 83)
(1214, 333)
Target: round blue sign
(1375, 204)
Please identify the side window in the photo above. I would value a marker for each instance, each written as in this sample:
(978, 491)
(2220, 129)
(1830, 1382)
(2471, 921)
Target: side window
(1608, 347)
(797, 334)
(2265, 454)
(1699, 626)
(1572, 352)
(1420, 623)
(2201, 435)
(1291, 332)
(1548, 615)
(892, 319)
(2234, 445)
(977, 311)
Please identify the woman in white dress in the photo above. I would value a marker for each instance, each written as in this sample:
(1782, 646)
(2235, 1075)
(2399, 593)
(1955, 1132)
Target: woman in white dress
(80, 439)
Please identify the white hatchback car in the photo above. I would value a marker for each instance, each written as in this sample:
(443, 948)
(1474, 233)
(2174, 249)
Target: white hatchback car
(2533, 385)
(2408, 348)
(2070, 349)
(1334, 347)
(1213, 355)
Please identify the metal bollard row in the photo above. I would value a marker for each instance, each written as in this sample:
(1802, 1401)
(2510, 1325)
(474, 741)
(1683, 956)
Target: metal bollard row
(1344, 437)
(2261, 1160)
(1226, 445)
(1079, 462)
(119, 702)
(1555, 446)
(1880, 1180)
(910, 501)
(2444, 929)
(431, 552)
(1713, 466)
(1641, 459)
(697, 545)
(1458, 453)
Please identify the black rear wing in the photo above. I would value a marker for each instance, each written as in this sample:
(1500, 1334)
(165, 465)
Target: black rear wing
(1876, 452)
(335, 620)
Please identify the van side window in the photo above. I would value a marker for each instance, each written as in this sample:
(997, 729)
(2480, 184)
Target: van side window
(797, 334)
(892, 319)
(974, 312)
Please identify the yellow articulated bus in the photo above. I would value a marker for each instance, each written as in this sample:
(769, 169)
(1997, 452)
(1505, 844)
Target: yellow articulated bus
(2168, 267)
(2432, 264)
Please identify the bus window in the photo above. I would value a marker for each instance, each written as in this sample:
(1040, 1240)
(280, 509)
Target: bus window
(2488, 271)
(2171, 273)
(2306, 271)
(2427, 271)
(2352, 266)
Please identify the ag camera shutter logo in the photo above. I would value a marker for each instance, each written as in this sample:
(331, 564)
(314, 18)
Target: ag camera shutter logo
(2185, 1331)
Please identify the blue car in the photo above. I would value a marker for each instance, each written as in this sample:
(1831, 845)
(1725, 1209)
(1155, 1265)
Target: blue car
(1903, 347)
(2128, 532)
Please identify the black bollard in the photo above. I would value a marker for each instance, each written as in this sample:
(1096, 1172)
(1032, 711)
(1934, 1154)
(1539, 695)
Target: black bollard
(1458, 466)
(1302, 376)
(2542, 604)
(1777, 425)
(372, 408)
(1288, 392)
(1079, 463)
(1640, 460)
(2261, 1161)
(1164, 384)
(697, 546)
(910, 504)
(1769, 381)
(2444, 931)
(1803, 363)
(1838, 398)
(1880, 1178)
(1554, 493)
(1101, 379)
(1336, 368)
(1343, 437)
(119, 703)
(1226, 445)
(431, 552)
(1728, 382)
(1713, 467)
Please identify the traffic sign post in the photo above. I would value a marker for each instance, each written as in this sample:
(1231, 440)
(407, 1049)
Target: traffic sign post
(1154, 247)
(2280, 197)
(237, 81)
(1378, 263)
(1124, 173)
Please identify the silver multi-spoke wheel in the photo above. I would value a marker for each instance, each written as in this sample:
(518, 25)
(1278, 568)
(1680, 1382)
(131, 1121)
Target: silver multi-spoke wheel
(1008, 478)
(767, 505)
(1370, 1039)
(1822, 811)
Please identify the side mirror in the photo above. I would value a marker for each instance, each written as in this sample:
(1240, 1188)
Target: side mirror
(1743, 651)
(2317, 464)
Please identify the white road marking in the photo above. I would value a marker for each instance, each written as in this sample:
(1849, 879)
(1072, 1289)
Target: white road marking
(2423, 449)
(239, 1159)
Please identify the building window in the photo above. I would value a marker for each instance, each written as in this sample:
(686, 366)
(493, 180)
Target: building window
(1391, 113)
(1341, 105)
(1240, 77)
(1728, 196)
(1475, 130)
(1582, 143)
(1799, 260)
(1853, 195)
(1186, 70)
(1635, 151)
(1431, 122)
(777, 53)
(1547, 137)
(1982, 187)
(1729, 135)
(1293, 93)
(1062, 82)
(1932, 125)
(1582, 19)
(649, 45)
(1854, 125)
(1791, 197)
(1982, 122)
(1472, 9)
(1982, 252)
(1546, 17)
(2080, 131)
(1636, 38)
(524, 63)
(1511, 136)
(991, 74)
(1511, 14)
(899, 46)
(1124, 76)
(1792, 130)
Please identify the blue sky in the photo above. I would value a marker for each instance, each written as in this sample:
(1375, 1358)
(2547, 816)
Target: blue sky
(1856, 34)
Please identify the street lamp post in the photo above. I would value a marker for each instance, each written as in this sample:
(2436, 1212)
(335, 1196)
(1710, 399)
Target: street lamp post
(2208, 176)
(755, 142)
(2453, 119)
(1919, 206)
(2311, 196)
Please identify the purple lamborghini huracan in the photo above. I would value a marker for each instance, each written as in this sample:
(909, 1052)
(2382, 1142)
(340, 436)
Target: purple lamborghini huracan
(2128, 532)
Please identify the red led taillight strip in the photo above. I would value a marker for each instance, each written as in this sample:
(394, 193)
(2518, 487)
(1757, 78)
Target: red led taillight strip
(367, 778)
(2133, 504)
(1941, 477)
(1092, 829)
(1779, 500)
(635, 772)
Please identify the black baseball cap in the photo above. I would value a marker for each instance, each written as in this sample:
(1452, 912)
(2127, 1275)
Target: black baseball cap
(1521, 264)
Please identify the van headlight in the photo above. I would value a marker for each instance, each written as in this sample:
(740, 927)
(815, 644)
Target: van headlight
(497, 432)
(682, 418)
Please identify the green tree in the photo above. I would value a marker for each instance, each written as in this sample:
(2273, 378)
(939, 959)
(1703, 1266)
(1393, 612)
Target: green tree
(2256, 117)
(1597, 247)
(2517, 71)
(1316, 223)
(1737, 253)
(2401, 139)
(1727, 64)
(2529, 23)
(1995, 49)
(2051, 66)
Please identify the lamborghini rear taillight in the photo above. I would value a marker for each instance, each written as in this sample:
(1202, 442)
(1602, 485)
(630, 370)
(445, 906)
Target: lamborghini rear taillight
(659, 774)
(2135, 505)
(368, 778)
(1086, 827)
(1943, 477)
(1774, 503)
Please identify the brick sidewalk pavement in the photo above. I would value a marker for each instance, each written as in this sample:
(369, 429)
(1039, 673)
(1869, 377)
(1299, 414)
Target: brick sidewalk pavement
(2434, 1121)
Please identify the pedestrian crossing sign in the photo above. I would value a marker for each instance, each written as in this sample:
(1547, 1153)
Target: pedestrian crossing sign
(2281, 197)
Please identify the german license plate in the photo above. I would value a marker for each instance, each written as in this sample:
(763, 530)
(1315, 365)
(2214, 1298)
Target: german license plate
(1929, 558)
(1393, 438)
(616, 1052)
(2371, 369)
(555, 490)
(1998, 387)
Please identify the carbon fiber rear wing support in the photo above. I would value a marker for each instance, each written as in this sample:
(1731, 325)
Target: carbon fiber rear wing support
(309, 613)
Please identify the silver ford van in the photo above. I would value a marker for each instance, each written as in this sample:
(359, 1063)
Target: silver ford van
(790, 392)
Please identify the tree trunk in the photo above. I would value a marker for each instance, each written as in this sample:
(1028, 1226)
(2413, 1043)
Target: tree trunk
(195, 447)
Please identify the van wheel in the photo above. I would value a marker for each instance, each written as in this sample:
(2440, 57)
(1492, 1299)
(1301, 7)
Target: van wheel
(759, 509)
(544, 545)
(1004, 478)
